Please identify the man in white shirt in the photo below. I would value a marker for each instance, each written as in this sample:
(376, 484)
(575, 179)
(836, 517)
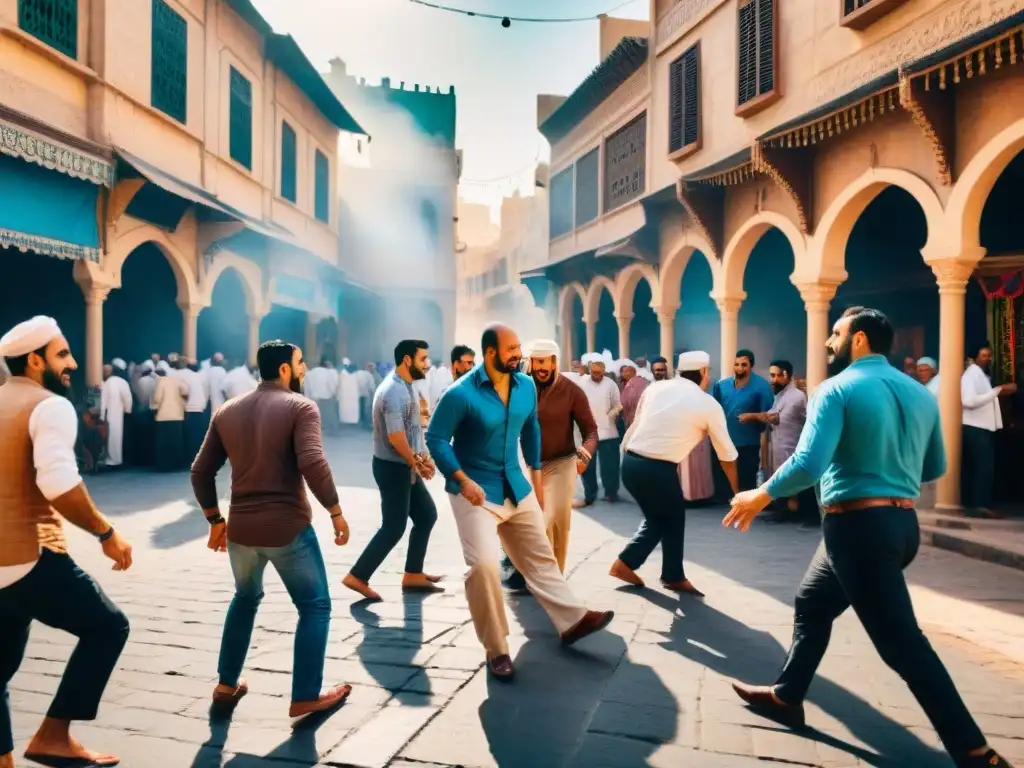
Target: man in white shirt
(40, 487)
(673, 418)
(348, 394)
(982, 418)
(321, 386)
(215, 374)
(605, 404)
(115, 409)
(238, 381)
(196, 417)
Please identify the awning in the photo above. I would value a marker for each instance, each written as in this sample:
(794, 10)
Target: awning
(24, 137)
(48, 212)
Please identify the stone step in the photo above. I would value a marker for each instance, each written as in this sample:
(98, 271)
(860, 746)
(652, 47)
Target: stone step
(993, 545)
(960, 522)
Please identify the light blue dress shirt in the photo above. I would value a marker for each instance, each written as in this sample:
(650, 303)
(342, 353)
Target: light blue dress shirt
(473, 430)
(756, 396)
(872, 431)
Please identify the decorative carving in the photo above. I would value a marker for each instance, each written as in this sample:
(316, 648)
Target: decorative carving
(933, 112)
(94, 295)
(705, 205)
(34, 149)
(683, 16)
(611, 110)
(931, 32)
(46, 246)
(952, 275)
(791, 171)
(729, 306)
(817, 296)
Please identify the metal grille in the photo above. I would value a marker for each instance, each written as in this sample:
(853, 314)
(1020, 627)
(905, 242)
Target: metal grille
(560, 206)
(169, 79)
(587, 168)
(684, 100)
(322, 201)
(241, 119)
(289, 156)
(625, 163)
(55, 22)
(756, 49)
(849, 6)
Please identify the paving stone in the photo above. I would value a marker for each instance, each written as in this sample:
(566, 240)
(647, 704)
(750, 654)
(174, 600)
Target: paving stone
(382, 738)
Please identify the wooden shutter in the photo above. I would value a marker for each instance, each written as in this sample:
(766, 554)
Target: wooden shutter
(747, 64)
(849, 6)
(675, 101)
(765, 46)
(684, 100)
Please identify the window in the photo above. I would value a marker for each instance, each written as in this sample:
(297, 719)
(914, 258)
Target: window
(54, 22)
(757, 56)
(625, 163)
(169, 62)
(289, 157)
(860, 14)
(240, 119)
(560, 206)
(322, 192)
(587, 187)
(684, 102)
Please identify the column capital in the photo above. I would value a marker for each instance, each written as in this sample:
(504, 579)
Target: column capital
(817, 296)
(952, 274)
(189, 309)
(623, 317)
(666, 313)
(95, 294)
(729, 305)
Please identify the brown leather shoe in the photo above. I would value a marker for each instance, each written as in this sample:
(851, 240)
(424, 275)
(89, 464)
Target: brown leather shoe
(763, 701)
(501, 667)
(991, 759)
(592, 621)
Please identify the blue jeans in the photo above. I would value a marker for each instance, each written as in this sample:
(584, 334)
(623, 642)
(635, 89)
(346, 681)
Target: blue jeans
(300, 565)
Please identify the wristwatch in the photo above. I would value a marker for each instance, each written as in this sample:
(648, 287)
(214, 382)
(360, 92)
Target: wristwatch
(215, 519)
(106, 535)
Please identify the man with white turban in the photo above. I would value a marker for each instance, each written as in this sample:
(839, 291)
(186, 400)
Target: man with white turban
(605, 405)
(673, 418)
(928, 374)
(115, 409)
(40, 487)
(561, 408)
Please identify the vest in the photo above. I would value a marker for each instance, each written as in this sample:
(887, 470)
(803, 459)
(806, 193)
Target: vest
(27, 519)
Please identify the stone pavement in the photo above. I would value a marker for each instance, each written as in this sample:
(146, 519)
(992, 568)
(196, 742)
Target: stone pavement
(653, 691)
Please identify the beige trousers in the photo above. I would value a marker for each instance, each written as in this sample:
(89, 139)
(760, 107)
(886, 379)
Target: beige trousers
(559, 488)
(521, 531)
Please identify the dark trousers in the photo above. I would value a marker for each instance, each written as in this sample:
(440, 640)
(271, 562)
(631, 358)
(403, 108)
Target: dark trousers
(366, 412)
(860, 562)
(401, 500)
(144, 438)
(608, 457)
(656, 488)
(196, 424)
(977, 478)
(170, 445)
(328, 416)
(59, 594)
(747, 464)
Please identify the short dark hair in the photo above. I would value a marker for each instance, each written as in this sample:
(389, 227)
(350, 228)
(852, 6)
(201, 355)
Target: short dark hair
(271, 356)
(408, 347)
(17, 366)
(875, 325)
(975, 350)
(655, 360)
(747, 354)
(489, 339)
(783, 365)
(459, 351)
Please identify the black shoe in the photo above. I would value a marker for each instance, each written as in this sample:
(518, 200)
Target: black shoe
(990, 759)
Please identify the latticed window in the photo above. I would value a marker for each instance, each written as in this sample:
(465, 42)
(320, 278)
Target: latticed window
(169, 78)
(756, 49)
(587, 168)
(684, 100)
(289, 163)
(625, 163)
(55, 22)
(849, 6)
(322, 198)
(240, 119)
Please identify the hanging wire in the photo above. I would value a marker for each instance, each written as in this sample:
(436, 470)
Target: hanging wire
(503, 17)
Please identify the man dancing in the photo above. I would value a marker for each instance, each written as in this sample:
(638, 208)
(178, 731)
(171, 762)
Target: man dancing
(561, 406)
(472, 437)
(39, 487)
(400, 465)
(872, 435)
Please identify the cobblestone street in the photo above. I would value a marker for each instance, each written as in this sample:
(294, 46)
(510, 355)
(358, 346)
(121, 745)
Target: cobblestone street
(653, 691)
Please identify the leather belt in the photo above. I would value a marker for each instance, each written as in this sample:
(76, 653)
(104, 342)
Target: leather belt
(855, 505)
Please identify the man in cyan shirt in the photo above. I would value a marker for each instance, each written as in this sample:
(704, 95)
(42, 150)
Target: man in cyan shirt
(745, 392)
(472, 437)
(872, 436)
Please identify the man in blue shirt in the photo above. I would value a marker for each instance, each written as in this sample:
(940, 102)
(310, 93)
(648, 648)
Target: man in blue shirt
(872, 436)
(473, 437)
(745, 393)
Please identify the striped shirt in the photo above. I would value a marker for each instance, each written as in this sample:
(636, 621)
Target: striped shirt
(396, 409)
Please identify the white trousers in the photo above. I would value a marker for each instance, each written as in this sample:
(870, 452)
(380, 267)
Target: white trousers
(521, 531)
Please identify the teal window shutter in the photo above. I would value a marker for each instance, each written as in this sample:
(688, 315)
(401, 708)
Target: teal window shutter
(54, 22)
(169, 78)
(322, 203)
(240, 119)
(289, 156)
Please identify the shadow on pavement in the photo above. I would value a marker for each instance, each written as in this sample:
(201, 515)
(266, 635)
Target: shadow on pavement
(191, 526)
(380, 659)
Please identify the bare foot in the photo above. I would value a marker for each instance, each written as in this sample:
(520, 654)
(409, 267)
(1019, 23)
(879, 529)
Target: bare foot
(64, 746)
(433, 579)
(420, 582)
(332, 698)
(360, 586)
(622, 571)
(7, 761)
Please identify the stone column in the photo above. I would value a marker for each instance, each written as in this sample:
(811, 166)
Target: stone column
(568, 345)
(254, 337)
(309, 349)
(667, 345)
(952, 277)
(190, 330)
(94, 297)
(729, 309)
(817, 299)
(624, 321)
(591, 334)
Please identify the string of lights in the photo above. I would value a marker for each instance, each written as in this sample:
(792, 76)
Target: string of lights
(506, 21)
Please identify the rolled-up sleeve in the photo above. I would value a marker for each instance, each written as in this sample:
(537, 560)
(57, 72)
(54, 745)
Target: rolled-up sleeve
(446, 419)
(392, 405)
(814, 452)
(53, 428)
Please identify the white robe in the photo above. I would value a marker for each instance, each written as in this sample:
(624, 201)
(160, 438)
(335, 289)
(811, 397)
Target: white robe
(439, 380)
(215, 376)
(348, 398)
(115, 402)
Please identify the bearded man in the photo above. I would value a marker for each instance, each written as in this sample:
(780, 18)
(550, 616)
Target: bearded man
(561, 408)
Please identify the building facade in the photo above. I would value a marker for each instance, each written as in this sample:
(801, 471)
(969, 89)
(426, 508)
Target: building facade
(398, 204)
(738, 172)
(178, 159)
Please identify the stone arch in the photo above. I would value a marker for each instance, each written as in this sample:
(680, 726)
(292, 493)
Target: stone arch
(247, 271)
(184, 273)
(825, 259)
(626, 282)
(592, 302)
(972, 189)
(565, 301)
(674, 266)
(729, 279)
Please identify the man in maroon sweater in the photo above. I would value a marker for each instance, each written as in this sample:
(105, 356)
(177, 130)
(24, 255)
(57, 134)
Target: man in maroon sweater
(561, 407)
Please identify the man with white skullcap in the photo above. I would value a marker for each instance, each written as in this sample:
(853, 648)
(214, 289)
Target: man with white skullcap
(928, 374)
(116, 409)
(40, 487)
(561, 408)
(672, 419)
(605, 405)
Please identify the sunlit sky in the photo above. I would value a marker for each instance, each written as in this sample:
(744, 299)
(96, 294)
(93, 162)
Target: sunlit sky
(497, 73)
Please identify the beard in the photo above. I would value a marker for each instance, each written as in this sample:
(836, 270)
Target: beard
(659, 376)
(507, 366)
(54, 382)
(776, 388)
(840, 359)
(295, 385)
(417, 374)
(546, 381)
